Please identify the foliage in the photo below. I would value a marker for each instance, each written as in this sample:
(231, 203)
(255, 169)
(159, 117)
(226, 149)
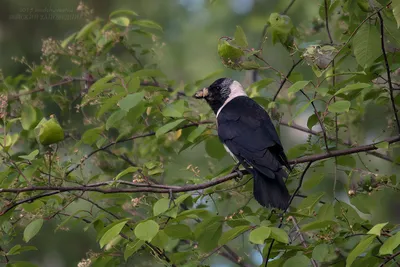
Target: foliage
(102, 129)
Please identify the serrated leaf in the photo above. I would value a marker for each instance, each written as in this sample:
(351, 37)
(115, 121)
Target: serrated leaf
(126, 171)
(240, 37)
(111, 234)
(352, 87)
(132, 247)
(258, 235)
(168, 127)
(161, 206)
(31, 155)
(228, 52)
(366, 45)
(339, 106)
(147, 230)
(121, 21)
(297, 86)
(279, 235)
(390, 244)
(32, 229)
(131, 101)
(359, 249)
(376, 230)
(232, 234)
(148, 24)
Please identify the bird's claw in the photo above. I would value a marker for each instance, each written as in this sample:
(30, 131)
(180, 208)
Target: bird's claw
(240, 175)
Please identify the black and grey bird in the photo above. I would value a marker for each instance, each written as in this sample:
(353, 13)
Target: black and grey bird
(249, 135)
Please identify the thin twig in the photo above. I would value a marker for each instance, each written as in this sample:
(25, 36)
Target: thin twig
(286, 78)
(392, 257)
(388, 71)
(290, 202)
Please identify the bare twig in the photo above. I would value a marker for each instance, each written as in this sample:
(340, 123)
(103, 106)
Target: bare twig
(286, 78)
(388, 71)
(392, 257)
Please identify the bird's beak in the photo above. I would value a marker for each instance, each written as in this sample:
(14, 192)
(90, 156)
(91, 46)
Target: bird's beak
(202, 93)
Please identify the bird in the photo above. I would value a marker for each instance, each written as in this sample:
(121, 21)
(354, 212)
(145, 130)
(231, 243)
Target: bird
(249, 136)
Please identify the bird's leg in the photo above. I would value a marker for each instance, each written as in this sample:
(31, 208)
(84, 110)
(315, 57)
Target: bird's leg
(171, 199)
(236, 169)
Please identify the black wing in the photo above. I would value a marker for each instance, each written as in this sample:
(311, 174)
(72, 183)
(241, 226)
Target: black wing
(247, 130)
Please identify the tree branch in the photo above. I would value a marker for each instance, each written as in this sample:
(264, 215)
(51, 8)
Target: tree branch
(286, 78)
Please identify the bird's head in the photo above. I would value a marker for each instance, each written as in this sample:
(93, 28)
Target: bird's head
(220, 92)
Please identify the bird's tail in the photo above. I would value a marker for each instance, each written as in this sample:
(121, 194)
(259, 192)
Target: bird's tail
(271, 192)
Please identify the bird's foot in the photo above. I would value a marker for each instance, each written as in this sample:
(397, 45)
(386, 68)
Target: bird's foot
(171, 199)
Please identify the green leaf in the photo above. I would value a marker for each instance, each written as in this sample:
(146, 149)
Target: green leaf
(347, 160)
(240, 37)
(310, 201)
(147, 230)
(132, 247)
(390, 244)
(196, 133)
(160, 240)
(18, 249)
(21, 264)
(126, 171)
(320, 252)
(258, 235)
(180, 231)
(49, 132)
(208, 233)
(352, 87)
(384, 145)
(87, 29)
(279, 235)
(228, 52)
(300, 111)
(359, 249)
(31, 156)
(148, 24)
(339, 106)
(124, 12)
(297, 86)
(91, 135)
(313, 181)
(28, 117)
(131, 101)
(232, 234)
(121, 21)
(249, 65)
(32, 229)
(161, 206)
(366, 45)
(316, 225)
(299, 260)
(281, 29)
(255, 87)
(152, 73)
(376, 230)
(116, 117)
(326, 212)
(396, 11)
(168, 127)
(174, 109)
(111, 234)
(214, 148)
(312, 121)
(100, 85)
(67, 40)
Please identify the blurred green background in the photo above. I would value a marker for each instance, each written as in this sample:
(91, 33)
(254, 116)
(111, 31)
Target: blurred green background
(189, 52)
